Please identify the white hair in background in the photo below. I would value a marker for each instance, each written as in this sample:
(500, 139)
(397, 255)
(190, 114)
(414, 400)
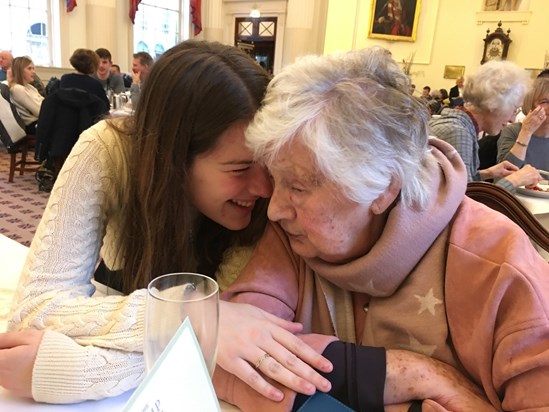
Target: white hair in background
(354, 112)
(497, 85)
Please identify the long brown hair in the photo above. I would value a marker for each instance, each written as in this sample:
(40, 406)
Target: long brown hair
(17, 68)
(193, 93)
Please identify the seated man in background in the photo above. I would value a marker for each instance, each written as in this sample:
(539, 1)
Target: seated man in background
(108, 80)
(374, 241)
(115, 69)
(457, 90)
(5, 63)
(492, 98)
(141, 65)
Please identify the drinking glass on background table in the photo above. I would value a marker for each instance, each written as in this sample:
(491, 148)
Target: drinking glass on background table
(170, 299)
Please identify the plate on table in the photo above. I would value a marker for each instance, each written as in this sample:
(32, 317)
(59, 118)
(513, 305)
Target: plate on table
(540, 191)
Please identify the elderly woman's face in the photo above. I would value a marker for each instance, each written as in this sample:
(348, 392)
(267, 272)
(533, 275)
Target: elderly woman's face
(319, 221)
(496, 120)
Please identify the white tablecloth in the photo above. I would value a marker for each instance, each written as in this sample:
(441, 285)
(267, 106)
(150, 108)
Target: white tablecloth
(12, 258)
(540, 209)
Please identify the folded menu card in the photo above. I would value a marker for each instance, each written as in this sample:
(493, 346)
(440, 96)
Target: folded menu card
(179, 380)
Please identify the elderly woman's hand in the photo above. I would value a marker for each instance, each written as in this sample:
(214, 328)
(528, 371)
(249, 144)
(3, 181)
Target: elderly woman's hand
(251, 339)
(500, 170)
(17, 355)
(415, 376)
(527, 176)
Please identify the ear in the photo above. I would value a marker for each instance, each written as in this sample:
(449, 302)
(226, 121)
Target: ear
(386, 199)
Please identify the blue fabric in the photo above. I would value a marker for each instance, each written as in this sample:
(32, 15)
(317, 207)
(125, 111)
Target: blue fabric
(321, 402)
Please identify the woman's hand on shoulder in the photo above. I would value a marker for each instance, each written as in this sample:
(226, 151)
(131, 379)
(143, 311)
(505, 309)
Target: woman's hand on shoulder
(17, 356)
(252, 341)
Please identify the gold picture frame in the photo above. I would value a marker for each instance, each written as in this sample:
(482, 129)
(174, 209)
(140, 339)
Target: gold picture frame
(453, 72)
(533, 72)
(395, 20)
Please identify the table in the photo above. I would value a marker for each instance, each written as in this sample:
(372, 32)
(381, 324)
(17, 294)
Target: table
(540, 209)
(12, 256)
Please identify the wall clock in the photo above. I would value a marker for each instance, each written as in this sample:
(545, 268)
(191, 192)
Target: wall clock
(496, 45)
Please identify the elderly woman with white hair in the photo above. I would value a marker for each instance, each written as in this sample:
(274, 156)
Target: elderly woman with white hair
(492, 99)
(373, 241)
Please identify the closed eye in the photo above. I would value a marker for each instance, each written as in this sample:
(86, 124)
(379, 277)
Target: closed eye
(240, 170)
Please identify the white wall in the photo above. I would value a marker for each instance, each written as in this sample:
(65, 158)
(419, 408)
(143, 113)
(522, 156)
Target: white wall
(450, 32)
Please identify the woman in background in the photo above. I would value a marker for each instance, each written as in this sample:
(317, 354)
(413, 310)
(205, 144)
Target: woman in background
(528, 142)
(26, 98)
(492, 98)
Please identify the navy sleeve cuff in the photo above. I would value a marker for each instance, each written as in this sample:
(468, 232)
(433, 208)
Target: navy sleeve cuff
(358, 377)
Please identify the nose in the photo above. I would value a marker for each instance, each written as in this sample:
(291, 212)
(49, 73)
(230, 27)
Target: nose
(279, 206)
(260, 184)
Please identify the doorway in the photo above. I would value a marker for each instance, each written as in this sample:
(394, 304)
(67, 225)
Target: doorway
(256, 36)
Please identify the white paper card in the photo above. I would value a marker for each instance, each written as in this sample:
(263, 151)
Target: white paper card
(179, 380)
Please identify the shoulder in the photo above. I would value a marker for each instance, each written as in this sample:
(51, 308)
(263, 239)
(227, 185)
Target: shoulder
(17, 89)
(512, 129)
(114, 78)
(452, 124)
(482, 233)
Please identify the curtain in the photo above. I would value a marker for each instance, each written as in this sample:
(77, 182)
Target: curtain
(196, 14)
(133, 9)
(71, 4)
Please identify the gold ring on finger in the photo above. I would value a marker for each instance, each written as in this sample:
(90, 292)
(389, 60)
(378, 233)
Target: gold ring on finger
(261, 359)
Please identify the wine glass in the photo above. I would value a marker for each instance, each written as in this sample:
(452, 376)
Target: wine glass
(170, 299)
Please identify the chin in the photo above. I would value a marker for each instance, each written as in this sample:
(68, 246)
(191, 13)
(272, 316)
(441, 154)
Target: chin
(236, 224)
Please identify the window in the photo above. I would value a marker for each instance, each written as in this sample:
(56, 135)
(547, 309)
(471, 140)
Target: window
(159, 25)
(27, 28)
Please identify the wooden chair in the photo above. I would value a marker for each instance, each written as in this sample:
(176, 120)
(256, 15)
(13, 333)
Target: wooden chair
(14, 137)
(22, 164)
(505, 202)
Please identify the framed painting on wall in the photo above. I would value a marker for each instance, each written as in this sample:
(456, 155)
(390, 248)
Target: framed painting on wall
(454, 72)
(394, 19)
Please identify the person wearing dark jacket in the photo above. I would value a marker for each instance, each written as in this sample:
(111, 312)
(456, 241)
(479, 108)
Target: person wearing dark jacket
(85, 61)
(63, 116)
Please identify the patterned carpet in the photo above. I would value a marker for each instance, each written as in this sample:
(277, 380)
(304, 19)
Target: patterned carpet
(21, 203)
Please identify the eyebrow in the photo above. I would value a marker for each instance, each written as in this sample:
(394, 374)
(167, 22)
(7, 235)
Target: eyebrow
(238, 162)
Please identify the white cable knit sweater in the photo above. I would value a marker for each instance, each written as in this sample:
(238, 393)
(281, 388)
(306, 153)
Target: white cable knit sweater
(83, 215)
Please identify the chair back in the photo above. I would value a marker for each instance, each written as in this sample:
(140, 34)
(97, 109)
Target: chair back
(12, 128)
(497, 198)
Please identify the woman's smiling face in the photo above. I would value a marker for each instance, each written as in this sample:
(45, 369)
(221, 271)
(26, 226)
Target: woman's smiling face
(226, 182)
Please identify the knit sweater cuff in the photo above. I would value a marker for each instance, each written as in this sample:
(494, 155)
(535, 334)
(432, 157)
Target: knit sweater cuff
(515, 160)
(65, 372)
(506, 184)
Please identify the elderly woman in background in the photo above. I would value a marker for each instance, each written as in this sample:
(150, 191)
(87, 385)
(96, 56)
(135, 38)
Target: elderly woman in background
(528, 142)
(492, 97)
(374, 241)
(23, 94)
